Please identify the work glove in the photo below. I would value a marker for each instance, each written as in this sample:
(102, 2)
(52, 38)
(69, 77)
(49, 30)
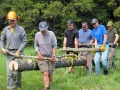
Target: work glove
(114, 45)
(93, 51)
(4, 51)
(103, 48)
(17, 54)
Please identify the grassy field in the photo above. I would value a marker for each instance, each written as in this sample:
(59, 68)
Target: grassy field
(32, 80)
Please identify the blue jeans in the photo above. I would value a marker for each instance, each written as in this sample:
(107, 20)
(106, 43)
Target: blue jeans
(103, 56)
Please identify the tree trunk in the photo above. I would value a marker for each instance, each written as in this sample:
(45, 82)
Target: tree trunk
(26, 65)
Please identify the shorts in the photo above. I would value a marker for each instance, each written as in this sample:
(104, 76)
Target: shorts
(46, 65)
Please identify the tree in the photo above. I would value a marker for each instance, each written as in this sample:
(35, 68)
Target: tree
(57, 12)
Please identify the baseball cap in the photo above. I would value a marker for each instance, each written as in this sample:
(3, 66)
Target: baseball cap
(70, 21)
(43, 26)
(110, 23)
(94, 20)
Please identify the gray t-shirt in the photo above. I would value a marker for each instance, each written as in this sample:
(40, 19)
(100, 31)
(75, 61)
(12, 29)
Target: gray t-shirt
(15, 40)
(45, 43)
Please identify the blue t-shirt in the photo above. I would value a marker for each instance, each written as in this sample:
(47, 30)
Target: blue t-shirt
(98, 33)
(85, 36)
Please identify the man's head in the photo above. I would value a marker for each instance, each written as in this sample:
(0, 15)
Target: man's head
(95, 22)
(12, 18)
(84, 26)
(43, 27)
(70, 24)
(110, 25)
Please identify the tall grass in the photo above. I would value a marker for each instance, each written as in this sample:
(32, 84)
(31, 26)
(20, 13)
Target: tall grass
(32, 80)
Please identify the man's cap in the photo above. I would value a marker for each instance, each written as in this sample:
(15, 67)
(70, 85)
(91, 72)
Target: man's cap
(94, 20)
(43, 26)
(110, 23)
(70, 21)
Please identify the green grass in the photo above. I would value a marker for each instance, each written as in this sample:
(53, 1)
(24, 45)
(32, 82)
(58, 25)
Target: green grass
(32, 80)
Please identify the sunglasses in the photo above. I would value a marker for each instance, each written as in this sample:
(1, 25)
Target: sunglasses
(93, 23)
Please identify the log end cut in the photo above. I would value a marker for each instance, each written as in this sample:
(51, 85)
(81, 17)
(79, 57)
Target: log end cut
(11, 65)
(15, 66)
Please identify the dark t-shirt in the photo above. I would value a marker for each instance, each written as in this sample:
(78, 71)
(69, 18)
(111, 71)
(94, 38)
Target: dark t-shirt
(111, 35)
(71, 35)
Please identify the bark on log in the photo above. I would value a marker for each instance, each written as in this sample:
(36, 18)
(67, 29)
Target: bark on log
(26, 65)
(81, 49)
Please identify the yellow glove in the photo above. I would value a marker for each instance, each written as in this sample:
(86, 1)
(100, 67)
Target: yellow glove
(103, 48)
(17, 54)
(4, 51)
(93, 51)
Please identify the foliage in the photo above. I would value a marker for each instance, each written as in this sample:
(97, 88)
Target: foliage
(57, 12)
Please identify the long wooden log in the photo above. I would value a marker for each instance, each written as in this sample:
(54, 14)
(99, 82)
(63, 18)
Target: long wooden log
(61, 61)
(81, 49)
(28, 65)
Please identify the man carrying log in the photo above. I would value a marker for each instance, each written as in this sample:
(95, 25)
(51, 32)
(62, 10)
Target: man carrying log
(101, 41)
(45, 46)
(16, 39)
(113, 38)
(70, 39)
(85, 41)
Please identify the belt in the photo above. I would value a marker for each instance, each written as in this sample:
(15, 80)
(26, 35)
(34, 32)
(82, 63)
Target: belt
(12, 49)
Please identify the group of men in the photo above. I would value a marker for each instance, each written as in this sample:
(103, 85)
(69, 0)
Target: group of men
(102, 38)
(46, 43)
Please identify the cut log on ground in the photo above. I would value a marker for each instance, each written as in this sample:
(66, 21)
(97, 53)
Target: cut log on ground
(61, 61)
(26, 65)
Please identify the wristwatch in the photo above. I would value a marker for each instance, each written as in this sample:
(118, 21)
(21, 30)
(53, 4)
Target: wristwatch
(54, 55)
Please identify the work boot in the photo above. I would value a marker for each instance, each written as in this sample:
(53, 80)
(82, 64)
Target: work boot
(105, 72)
(17, 88)
(47, 88)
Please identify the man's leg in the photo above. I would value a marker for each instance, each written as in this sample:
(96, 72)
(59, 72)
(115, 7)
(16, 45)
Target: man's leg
(89, 63)
(113, 51)
(110, 57)
(104, 58)
(71, 68)
(46, 79)
(97, 62)
(17, 77)
(50, 80)
(10, 74)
